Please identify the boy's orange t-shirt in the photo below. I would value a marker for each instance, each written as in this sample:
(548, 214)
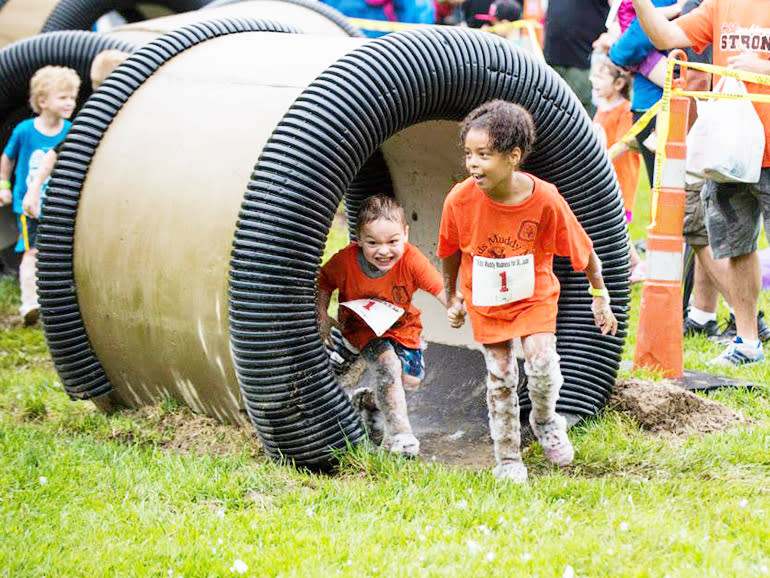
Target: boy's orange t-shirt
(542, 226)
(733, 27)
(616, 121)
(412, 272)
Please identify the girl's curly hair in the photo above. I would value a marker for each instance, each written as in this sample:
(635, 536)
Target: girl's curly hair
(509, 126)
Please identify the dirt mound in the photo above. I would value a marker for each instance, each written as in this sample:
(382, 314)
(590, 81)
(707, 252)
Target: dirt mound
(664, 408)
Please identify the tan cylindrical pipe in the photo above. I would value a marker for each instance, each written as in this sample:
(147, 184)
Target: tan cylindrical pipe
(158, 210)
(305, 19)
(22, 18)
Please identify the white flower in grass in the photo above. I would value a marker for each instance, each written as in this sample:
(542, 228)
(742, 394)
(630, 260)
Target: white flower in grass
(43, 480)
(526, 557)
(490, 557)
(421, 537)
(239, 566)
(473, 547)
(309, 512)
(744, 503)
(624, 526)
(569, 572)
(220, 514)
(481, 528)
(763, 569)
(461, 505)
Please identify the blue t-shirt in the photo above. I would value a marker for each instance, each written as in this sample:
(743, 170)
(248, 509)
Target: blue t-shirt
(414, 11)
(27, 146)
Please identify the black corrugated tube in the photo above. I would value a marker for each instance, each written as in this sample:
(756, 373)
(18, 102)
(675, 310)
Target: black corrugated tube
(82, 14)
(331, 13)
(75, 49)
(81, 372)
(375, 91)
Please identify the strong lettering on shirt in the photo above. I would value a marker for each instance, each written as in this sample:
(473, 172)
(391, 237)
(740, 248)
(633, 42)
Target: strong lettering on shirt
(736, 38)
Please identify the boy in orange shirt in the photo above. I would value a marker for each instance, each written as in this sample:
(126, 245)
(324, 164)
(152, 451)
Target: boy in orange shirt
(500, 229)
(382, 266)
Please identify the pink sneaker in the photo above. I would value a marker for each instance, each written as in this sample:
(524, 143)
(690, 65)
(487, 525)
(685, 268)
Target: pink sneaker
(552, 435)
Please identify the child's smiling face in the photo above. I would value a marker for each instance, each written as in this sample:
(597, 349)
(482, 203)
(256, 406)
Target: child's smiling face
(490, 169)
(60, 102)
(383, 242)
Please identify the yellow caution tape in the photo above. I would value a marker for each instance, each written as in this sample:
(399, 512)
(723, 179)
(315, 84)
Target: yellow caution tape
(529, 26)
(664, 115)
(637, 127)
(24, 231)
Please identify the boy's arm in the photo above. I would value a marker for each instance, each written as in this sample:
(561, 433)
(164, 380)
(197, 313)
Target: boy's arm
(6, 167)
(603, 317)
(322, 309)
(31, 203)
(450, 267)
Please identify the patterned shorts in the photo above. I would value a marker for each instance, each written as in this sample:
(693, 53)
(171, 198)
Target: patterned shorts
(411, 359)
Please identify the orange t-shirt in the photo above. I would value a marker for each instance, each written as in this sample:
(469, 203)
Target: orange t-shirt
(616, 121)
(542, 226)
(412, 272)
(732, 27)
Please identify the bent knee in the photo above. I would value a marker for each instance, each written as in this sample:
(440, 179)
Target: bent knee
(542, 362)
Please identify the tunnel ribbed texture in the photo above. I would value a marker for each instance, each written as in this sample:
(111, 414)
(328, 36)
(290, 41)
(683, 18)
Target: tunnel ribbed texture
(351, 109)
(81, 372)
(331, 13)
(82, 14)
(75, 49)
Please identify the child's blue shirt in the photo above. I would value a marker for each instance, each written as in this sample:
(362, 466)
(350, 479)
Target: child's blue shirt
(27, 146)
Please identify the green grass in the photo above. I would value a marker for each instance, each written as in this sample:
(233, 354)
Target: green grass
(84, 494)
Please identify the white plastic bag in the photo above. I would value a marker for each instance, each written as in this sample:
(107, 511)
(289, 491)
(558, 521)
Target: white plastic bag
(727, 141)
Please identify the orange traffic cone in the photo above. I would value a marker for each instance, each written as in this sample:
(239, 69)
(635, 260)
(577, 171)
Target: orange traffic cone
(659, 337)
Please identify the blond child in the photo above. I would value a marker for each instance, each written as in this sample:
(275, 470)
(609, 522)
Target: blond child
(500, 229)
(102, 65)
(384, 270)
(614, 118)
(53, 93)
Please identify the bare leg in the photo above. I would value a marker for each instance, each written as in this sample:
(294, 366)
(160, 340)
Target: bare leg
(391, 400)
(544, 381)
(744, 281)
(710, 279)
(28, 284)
(503, 411)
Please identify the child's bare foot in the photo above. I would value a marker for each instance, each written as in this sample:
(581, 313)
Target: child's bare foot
(552, 435)
(404, 444)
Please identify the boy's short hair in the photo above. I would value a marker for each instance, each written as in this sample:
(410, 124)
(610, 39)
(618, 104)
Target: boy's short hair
(48, 79)
(379, 207)
(509, 126)
(103, 65)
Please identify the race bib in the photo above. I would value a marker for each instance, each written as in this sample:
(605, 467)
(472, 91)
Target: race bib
(501, 281)
(377, 314)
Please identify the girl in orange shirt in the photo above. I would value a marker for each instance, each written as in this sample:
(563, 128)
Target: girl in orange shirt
(612, 84)
(500, 229)
(383, 269)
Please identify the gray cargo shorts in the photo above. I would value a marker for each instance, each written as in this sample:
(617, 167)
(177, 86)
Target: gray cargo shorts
(733, 212)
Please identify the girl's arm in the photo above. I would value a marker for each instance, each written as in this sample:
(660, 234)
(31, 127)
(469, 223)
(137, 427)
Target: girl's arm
(454, 301)
(603, 317)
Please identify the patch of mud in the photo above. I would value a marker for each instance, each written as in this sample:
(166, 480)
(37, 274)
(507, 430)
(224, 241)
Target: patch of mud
(664, 408)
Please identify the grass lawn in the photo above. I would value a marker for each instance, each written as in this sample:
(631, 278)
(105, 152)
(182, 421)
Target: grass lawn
(161, 492)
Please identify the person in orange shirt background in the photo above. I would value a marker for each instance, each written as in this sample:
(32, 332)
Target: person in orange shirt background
(382, 266)
(612, 85)
(500, 229)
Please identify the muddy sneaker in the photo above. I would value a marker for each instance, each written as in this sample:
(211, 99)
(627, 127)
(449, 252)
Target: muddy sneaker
(552, 435)
(738, 353)
(363, 402)
(515, 472)
(30, 313)
(404, 444)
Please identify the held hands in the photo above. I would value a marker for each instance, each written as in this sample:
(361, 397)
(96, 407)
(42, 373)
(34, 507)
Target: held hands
(749, 62)
(5, 197)
(603, 316)
(456, 311)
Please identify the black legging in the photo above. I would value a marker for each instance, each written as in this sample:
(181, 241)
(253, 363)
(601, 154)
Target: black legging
(647, 154)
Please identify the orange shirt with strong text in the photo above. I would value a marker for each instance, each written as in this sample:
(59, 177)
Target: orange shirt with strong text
(412, 272)
(733, 27)
(542, 226)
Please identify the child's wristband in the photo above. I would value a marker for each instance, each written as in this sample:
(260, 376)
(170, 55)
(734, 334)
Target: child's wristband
(5, 184)
(599, 293)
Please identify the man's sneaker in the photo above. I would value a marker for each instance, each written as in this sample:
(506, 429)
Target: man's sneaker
(374, 423)
(730, 332)
(30, 312)
(737, 353)
(709, 329)
(404, 444)
(514, 471)
(552, 435)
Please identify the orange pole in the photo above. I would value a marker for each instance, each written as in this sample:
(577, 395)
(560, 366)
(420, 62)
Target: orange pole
(659, 337)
